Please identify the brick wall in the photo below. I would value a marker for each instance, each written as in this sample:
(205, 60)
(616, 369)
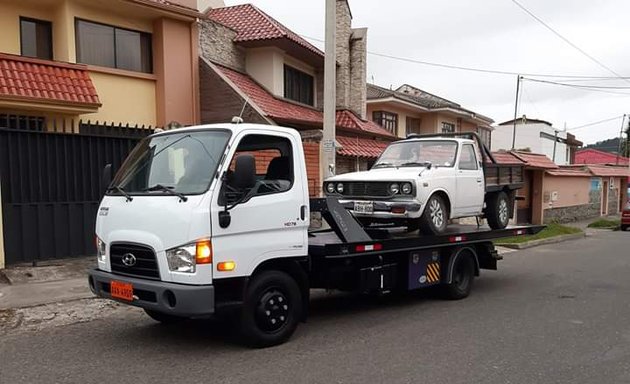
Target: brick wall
(219, 102)
(344, 33)
(358, 72)
(216, 44)
(311, 153)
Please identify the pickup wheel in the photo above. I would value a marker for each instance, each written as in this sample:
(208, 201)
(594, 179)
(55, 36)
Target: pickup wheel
(271, 309)
(463, 274)
(498, 210)
(624, 227)
(164, 318)
(434, 219)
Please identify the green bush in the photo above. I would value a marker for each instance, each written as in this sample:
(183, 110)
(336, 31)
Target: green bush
(552, 230)
(604, 223)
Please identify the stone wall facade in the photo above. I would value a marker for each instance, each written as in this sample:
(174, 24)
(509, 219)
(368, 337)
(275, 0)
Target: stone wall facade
(576, 212)
(344, 33)
(216, 45)
(358, 72)
(613, 201)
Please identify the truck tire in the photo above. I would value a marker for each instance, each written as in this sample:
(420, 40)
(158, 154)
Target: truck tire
(434, 219)
(271, 309)
(164, 318)
(624, 227)
(463, 275)
(498, 210)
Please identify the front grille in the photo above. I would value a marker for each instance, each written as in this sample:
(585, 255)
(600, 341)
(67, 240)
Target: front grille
(146, 263)
(372, 189)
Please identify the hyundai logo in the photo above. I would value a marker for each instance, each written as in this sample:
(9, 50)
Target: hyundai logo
(129, 259)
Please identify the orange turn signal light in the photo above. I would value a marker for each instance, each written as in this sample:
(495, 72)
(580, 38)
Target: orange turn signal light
(203, 254)
(226, 266)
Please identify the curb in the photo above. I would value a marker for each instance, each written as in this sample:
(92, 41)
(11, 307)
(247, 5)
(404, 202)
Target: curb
(551, 240)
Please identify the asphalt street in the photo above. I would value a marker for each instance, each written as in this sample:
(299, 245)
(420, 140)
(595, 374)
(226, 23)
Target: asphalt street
(553, 314)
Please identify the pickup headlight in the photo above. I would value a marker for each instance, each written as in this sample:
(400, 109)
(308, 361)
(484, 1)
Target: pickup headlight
(330, 188)
(185, 258)
(406, 189)
(394, 189)
(101, 250)
(340, 188)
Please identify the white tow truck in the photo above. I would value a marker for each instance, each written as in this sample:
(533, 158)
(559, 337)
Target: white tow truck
(214, 220)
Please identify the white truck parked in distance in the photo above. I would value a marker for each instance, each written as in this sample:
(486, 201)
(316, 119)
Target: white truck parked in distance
(425, 180)
(213, 221)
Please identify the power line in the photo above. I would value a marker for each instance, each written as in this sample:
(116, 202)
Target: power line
(583, 88)
(481, 70)
(596, 123)
(583, 52)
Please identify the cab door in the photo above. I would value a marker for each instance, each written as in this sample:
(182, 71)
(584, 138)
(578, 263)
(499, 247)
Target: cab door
(470, 183)
(273, 222)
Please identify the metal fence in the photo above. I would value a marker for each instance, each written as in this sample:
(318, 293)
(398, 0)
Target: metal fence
(51, 188)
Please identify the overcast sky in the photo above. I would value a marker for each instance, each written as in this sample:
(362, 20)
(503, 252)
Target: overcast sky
(491, 34)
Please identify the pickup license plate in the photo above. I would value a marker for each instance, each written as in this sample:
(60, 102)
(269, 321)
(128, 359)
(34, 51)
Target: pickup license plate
(123, 291)
(363, 207)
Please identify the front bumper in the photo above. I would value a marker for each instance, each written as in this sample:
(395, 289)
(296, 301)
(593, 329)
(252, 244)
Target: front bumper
(174, 299)
(383, 209)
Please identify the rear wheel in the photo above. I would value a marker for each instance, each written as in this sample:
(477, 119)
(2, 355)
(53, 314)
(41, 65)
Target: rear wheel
(434, 219)
(271, 310)
(498, 210)
(164, 318)
(624, 227)
(463, 275)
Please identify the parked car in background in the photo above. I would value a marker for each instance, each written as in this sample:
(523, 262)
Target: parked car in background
(625, 215)
(425, 180)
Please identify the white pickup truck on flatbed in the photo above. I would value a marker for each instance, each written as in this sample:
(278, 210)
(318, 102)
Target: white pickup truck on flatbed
(426, 180)
(214, 221)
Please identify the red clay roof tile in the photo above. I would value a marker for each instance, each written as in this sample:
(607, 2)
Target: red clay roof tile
(357, 147)
(568, 172)
(252, 24)
(48, 81)
(535, 160)
(608, 171)
(594, 156)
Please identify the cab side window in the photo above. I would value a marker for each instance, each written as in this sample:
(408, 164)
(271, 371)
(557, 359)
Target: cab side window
(274, 165)
(468, 158)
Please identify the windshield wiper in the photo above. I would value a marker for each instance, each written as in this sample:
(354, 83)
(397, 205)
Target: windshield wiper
(121, 191)
(169, 190)
(415, 164)
(383, 164)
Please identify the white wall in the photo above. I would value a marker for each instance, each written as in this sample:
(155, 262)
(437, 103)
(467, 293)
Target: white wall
(528, 136)
(203, 5)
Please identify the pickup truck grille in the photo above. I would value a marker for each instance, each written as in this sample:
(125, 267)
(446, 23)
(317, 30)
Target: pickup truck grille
(145, 266)
(372, 189)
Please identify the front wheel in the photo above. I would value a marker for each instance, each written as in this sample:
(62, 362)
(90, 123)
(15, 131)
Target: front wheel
(498, 210)
(271, 311)
(434, 219)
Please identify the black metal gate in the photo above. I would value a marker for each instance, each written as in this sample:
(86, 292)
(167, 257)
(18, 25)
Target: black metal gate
(51, 189)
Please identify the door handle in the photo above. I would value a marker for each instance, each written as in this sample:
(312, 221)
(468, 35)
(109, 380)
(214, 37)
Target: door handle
(479, 180)
(303, 212)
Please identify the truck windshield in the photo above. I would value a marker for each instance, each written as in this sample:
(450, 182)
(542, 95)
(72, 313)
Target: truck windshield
(177, 163)
(418, 153)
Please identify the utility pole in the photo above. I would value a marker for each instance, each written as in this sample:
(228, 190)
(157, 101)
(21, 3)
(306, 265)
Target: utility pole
(555, 142)
(327, 164)
(623, 120)
(518, 88)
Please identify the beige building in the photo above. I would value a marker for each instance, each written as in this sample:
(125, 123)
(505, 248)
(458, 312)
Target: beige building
(408, 110)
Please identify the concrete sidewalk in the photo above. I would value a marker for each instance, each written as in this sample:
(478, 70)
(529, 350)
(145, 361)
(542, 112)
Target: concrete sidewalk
(50, 282)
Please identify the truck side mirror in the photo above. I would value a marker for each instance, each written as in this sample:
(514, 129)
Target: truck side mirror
(106, 177)
(244, 176)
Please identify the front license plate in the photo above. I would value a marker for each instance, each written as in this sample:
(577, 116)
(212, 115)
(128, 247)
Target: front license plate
(363, 207)
(123, 291)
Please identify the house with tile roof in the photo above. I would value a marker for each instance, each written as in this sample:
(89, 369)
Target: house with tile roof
(595, 156)
(69, 66)
(409, 110)
(253, 66)
(538, 136)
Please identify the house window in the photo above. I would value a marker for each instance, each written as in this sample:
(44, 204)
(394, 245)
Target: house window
(448, 127)
(413, 126)
(298, 86)
(113, 47)
(386, 120)
(36, 38)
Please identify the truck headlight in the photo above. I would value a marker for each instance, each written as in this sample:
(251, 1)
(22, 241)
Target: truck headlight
(101, 250)
(406, 189)
(394, 189)
(185, 258)
(330, 188)
(340, 188)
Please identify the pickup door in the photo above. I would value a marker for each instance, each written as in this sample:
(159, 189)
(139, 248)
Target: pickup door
(470, 192)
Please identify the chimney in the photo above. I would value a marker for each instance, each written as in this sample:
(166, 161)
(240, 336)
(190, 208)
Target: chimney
(351, 62)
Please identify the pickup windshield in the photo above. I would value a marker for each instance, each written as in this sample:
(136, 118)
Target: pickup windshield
(416, 153)
(172, 164)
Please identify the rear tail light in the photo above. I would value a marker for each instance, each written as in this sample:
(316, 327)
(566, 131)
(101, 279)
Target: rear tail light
(368, 248)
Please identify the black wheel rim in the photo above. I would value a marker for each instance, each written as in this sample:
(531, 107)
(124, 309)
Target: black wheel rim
(462, 276)
(272, 311)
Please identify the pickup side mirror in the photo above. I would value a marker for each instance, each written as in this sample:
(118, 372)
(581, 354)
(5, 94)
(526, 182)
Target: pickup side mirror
(106, 177)
(244, 176)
